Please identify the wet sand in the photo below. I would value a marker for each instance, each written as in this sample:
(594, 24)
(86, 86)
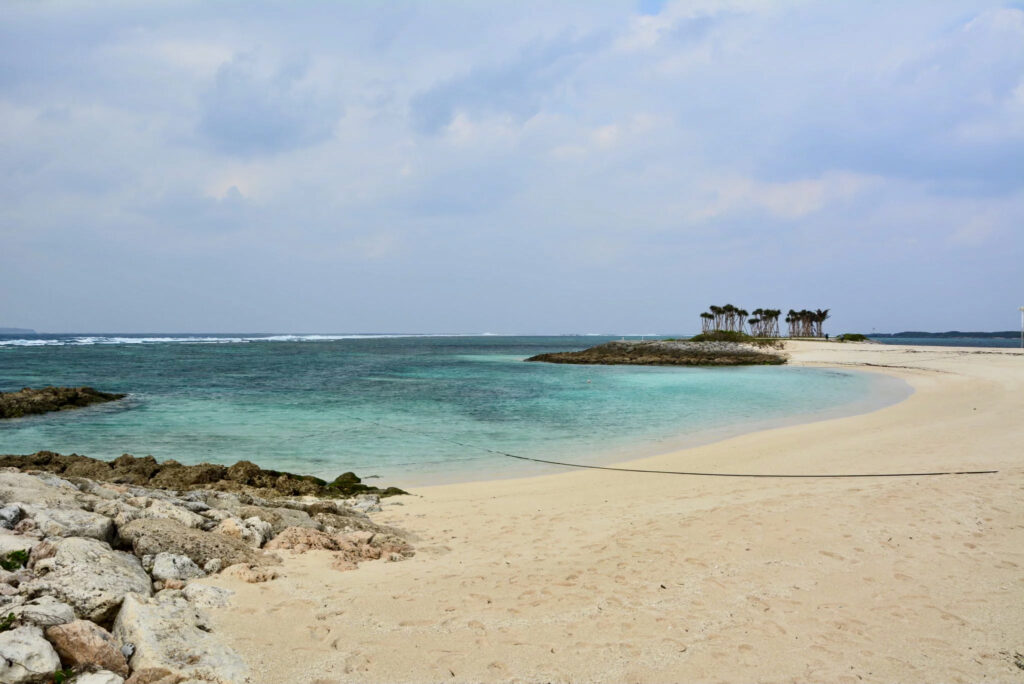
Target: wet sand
(610, 576)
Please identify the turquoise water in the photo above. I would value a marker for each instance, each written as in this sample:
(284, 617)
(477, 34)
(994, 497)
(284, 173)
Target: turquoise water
(394, 406)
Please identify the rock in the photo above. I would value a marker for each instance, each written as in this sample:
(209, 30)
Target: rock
(170, 566)
(83, 644)
(302, 539)
(28, 489)
(213, 566)
(32, 401)
(250, 573)
(91, 577)
(153, 675)
(44, 611)
(241, 477)
(153, 508)
(26, 657)
(41, 551)
(367, 503)
(170, 634)
(10, 515)
(670, 353)
(252, 531)
(206, 596)
(9, 541)
(100, 677)
(153, 536)
(279, 518)
(71, 522)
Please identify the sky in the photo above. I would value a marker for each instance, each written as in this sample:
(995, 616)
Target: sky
(509, 167)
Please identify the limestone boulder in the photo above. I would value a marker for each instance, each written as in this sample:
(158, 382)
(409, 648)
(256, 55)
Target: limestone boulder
(279, 518)
(10, 515)
(206, 596)
(252, 531)
(170, 633)
(99, 677)
(26, 657)
(23, 488)
(71, 522)
(156, 535)
(91, 577)
(85, 645)
(170, 566)
(9, 541)
(44, 612)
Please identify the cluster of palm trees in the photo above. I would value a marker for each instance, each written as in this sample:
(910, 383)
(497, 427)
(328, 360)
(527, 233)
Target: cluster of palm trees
(806, 323)
(765, 322)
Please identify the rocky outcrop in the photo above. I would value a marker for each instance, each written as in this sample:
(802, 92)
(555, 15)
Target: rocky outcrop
(70, 577)
(30, 401)
(668, 353)
(26, 657)
(169, 633)
(241, 477)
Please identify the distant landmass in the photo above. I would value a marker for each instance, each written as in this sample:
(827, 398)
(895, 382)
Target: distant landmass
(17, 331)
(950, 334)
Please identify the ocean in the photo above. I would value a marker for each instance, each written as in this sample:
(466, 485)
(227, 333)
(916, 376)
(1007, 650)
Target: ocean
(410, 409)
(1001, 342)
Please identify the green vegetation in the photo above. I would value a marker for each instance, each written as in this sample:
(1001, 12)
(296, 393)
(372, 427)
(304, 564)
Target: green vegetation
(63, 676)
(7, 623)
(15, 560)
(738, 337)
(852, 337)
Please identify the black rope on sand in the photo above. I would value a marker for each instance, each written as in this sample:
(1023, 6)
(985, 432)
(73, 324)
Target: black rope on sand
(671, 472)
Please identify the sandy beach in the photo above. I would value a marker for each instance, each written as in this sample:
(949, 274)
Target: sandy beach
(599, 576)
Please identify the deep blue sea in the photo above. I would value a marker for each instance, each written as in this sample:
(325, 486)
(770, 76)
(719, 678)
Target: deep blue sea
(396, 406)
(1004, 342)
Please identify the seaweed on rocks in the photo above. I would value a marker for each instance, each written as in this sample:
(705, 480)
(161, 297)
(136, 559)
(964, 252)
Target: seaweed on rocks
(30, 401)
(146, 471)
(668, 353)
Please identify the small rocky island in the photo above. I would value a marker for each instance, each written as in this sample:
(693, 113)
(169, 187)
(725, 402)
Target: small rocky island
(102, 564)
(695, 352)
(30, 401)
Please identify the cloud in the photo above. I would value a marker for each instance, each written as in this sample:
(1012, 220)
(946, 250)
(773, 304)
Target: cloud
(517, 89)
(252, 110)
(496, 164)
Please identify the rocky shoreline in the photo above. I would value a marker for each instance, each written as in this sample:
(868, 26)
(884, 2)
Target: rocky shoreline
(99, 580)
(28, 401)
(668, 353)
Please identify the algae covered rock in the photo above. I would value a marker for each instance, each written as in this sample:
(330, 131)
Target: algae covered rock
(30, 401)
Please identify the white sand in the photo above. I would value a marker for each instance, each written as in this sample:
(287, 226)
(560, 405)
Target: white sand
(603, 576)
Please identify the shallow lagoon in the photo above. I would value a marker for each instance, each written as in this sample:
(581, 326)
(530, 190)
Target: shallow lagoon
(410, 409)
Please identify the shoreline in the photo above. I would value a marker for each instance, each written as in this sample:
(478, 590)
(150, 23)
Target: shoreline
(603, 576)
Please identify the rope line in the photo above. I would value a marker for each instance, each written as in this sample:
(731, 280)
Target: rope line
(585, 466)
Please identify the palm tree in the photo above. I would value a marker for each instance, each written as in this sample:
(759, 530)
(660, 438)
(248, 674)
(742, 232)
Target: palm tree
(820, 316)
(706, 322)
(741, 317)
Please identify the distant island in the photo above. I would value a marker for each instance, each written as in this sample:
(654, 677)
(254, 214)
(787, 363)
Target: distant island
(714, 349)
(17, 331)
(1002, 334)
